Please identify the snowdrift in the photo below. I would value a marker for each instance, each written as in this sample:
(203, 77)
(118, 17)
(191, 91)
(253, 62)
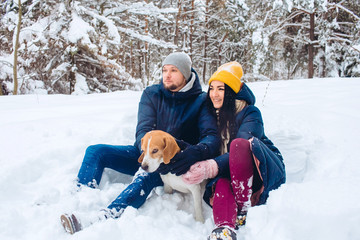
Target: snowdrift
(314, 123)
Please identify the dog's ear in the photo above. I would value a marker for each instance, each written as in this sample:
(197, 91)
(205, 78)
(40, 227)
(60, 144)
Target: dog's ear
(171, 148)
(141, 158)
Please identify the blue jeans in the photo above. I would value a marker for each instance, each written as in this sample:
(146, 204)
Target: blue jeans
(123, 159)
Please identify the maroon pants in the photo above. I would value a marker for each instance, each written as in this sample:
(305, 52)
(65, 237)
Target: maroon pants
(232, 196)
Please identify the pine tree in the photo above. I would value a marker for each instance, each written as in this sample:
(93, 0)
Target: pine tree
(99, 46)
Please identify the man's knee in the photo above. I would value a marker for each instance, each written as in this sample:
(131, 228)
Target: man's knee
(95, 149)
(95, 153)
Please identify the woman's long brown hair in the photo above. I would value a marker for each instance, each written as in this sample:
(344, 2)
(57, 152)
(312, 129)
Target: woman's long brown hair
(226, 118)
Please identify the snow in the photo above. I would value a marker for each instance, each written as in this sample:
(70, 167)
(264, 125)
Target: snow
(112, 30)
(357, 47)
(257, 38)
(147, 38)
(79, 29)
(81, 86)
(314, 123)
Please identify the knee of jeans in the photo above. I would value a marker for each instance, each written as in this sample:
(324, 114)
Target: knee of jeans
(239, 143)
(95, 148)
(93, 151)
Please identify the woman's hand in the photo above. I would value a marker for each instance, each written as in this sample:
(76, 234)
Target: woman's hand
(200, 171)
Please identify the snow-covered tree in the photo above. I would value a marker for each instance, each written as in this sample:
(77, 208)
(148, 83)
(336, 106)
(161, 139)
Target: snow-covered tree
(316, 33)
(90, 46)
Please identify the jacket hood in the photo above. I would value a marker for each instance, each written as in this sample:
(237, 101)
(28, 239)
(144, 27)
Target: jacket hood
(194, 91)
(246, 94)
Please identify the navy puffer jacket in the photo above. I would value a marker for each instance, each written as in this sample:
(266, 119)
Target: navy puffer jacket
(250, 126)
(184, 115)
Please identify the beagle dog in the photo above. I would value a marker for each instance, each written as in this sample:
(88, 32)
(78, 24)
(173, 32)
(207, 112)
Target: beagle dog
(160, 147)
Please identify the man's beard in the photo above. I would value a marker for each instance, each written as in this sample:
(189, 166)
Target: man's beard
(172, 87)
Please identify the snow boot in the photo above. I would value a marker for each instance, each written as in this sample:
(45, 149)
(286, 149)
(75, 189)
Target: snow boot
(222, 233)
(240, 220)
(83, 220)
(70, 223)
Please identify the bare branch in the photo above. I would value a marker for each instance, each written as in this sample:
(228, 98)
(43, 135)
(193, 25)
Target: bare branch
(338, 5)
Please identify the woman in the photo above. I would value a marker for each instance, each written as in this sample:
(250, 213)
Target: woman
(250, 165)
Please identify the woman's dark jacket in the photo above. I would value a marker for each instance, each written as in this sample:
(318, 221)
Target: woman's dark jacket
(250, 126)
(182, 114)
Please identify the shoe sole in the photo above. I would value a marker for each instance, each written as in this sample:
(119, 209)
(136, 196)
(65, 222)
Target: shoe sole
(67, 223)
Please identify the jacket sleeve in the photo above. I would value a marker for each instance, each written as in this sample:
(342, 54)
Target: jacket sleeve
(146, 118)
(209, 141)
(250, 125)
(223, 164)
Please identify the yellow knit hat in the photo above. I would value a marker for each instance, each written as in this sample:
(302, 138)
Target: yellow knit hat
(229, 73)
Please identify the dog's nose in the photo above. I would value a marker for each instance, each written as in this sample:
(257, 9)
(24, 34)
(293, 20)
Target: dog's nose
(145, 167)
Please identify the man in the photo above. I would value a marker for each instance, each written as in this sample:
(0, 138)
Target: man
(177, 106)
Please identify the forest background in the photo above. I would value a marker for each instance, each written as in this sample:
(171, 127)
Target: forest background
(73, 47)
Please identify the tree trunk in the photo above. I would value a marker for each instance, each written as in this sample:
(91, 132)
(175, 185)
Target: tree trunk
(16, 47)
(140, 62)
(176, 34)
(205, 39)
(192, 28)
(219, 49)
(147, 67)
(132, 70)
(311, 46)
(72, 76)
(146, 54)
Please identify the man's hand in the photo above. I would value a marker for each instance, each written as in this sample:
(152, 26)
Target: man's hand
(182, 161)
(182, 144)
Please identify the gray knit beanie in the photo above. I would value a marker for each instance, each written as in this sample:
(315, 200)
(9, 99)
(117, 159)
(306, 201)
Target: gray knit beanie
(180, 60)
